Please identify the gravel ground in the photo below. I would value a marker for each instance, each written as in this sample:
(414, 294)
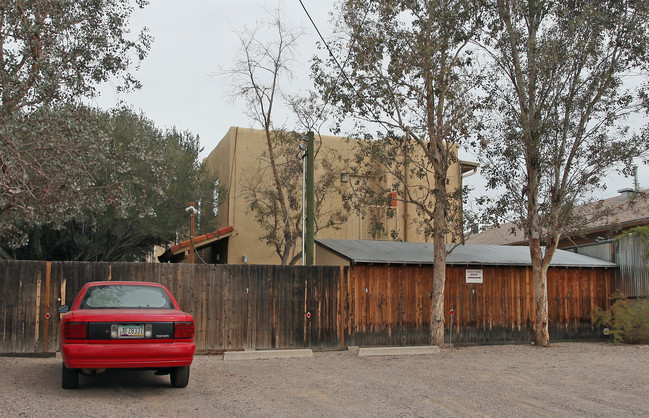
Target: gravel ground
(566, 379)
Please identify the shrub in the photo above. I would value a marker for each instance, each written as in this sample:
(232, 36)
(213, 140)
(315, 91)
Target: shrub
(627, 320)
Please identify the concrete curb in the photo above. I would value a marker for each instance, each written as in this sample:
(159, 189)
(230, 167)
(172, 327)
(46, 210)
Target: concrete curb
(266, 354)
(397, 351)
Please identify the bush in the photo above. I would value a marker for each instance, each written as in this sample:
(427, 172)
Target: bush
(627, 320)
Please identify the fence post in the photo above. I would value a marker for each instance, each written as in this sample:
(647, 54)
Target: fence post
(450, 332)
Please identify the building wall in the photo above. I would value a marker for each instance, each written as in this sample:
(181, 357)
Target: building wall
(633, 280)
(238, 161)
(325, 257)
(233, 160)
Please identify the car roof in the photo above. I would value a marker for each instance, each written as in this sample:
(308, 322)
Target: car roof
(110, 282)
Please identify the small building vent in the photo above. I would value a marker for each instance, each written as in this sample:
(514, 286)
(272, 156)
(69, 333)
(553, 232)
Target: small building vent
(626, 194)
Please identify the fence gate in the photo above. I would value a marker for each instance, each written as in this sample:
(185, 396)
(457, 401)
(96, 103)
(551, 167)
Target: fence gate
(29, 297)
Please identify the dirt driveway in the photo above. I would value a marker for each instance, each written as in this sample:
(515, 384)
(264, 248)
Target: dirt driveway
(567, 379)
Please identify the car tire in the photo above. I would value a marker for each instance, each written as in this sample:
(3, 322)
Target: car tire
(69, 378)
(180, 376)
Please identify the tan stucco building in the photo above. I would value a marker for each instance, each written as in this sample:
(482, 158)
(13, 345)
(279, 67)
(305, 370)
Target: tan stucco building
(241, 163)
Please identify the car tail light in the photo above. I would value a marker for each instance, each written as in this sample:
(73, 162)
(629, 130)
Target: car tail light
(75, 330)
(183, 330)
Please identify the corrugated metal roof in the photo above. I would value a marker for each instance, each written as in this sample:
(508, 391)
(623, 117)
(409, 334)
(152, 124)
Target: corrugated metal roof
(622, 212)
(392, 252)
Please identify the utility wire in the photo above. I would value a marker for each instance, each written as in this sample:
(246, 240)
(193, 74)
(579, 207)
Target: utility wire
(342, 71)
(328, 48)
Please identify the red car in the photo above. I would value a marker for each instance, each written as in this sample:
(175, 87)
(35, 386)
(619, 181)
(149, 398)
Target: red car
(134, 325)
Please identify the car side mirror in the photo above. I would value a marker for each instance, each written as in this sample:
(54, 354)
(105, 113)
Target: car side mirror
(64, 308)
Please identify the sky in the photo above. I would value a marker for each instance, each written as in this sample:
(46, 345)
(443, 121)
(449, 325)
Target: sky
(195, 39)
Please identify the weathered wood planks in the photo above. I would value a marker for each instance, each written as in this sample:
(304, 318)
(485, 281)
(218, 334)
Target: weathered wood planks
(258, 306)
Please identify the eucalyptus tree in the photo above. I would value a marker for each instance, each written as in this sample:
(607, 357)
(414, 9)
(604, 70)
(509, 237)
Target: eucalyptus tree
(407, 68)
(561, 97)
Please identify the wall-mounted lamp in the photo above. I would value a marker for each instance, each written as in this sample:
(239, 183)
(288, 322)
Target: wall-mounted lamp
(245, 258)
(344, 177)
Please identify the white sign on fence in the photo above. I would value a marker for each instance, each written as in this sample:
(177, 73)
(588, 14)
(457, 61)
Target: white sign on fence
(474, 276)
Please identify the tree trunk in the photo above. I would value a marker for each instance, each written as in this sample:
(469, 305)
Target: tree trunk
(437, 301)
(541, 332)
(439, 275)
(288, 240)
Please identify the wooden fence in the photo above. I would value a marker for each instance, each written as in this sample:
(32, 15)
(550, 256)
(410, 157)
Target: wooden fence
(391, 305)
(235, 307)
(250, 306)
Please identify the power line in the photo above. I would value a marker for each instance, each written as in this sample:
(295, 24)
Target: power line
(340, 67)
(328, 48)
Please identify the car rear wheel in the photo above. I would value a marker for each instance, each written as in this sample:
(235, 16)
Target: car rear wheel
(180, 377)
(69, 378)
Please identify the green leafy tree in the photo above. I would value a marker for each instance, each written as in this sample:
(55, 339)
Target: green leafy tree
(560, 102)
(60, 50)
(146, 179)
(623, 318)
(54, 53)
(47, 159)
(409, 71)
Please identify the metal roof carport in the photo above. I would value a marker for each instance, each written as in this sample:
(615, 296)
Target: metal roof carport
(421, 253)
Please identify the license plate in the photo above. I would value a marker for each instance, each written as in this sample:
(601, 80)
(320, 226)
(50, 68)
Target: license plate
(130, 331)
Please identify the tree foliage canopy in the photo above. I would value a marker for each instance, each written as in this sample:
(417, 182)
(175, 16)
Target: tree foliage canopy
(46, 160)
(61, 49)
(54, 53)
(561, 101)
(555, 96)
(142, 179)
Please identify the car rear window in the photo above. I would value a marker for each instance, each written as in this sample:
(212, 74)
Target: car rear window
(125, 297)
